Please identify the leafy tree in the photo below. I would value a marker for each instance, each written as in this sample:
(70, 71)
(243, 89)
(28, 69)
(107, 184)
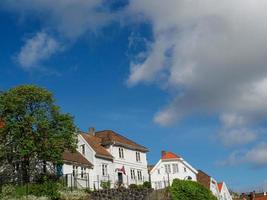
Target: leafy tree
(35, 132)
(189, 190)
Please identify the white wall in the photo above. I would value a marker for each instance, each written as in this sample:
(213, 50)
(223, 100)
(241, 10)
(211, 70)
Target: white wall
(214, 188)
(129, 162)
(161, 179)
(225, 194)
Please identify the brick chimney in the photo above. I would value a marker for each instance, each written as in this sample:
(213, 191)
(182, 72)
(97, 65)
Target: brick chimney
(91, 131)
(163, 153)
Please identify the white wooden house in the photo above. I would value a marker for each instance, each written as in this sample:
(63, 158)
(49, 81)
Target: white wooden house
(170, 167)
(114, 158)
(224, 192)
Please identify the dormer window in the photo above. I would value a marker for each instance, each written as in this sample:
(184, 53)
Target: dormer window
(138, 158)
(83, 149)
(121, 153)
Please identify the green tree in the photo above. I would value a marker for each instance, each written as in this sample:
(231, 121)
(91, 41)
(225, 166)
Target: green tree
(189, 190)
(35, 132)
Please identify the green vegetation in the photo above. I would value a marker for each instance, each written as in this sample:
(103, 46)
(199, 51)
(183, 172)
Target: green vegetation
(35, 132)
(105, 184)
(189, 190)
(45, 191)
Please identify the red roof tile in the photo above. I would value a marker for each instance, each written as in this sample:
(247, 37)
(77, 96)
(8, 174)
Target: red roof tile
(76, 158)
(110, 137)
(95, 143)
(220, 185)
(165, 155)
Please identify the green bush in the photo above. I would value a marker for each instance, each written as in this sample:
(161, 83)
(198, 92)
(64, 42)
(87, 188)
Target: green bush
(147, 184)
(74, 195)
(49, 189)
(105, 184)
(189, 190)
(133, 186)
(7, 191)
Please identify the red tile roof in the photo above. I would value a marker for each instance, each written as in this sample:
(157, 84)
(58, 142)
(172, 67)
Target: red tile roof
(220, 185)
(165, 155)
(110, 137)
(76, 158)
(95, 143)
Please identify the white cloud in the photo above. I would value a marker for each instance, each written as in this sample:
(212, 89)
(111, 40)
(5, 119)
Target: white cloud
(212, 55)
(256, 157)
(37, 49)
(69, 18)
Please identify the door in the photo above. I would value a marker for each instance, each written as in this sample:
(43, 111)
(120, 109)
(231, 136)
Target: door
(120, 178)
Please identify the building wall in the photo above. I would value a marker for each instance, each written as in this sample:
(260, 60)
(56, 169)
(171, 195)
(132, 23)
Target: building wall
(160, 178)
(96, 174)
(214, 188)
(129, 163)
(225, 194)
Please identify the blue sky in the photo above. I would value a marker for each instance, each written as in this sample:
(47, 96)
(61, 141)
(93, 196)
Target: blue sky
(180, 76)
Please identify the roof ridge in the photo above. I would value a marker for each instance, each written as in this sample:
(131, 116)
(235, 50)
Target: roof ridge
(123, 137)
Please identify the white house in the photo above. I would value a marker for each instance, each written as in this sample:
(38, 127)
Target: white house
(76, 169)
(224, 192)
(171, 167)
(114, 159)
(208, 182)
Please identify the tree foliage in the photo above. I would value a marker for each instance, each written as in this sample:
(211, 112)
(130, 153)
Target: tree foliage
(189, 190)
(35, 131)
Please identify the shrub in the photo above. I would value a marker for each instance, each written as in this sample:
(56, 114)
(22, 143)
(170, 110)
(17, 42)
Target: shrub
(147, 184)
(105, 184)
(189, 190)
(49, 189)
(8, 190)
(133, 186)
(74, 195)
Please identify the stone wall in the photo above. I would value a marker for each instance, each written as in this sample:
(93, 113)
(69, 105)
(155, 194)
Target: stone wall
(122, 194)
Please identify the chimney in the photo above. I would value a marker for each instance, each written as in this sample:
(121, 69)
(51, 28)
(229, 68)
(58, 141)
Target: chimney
(91, 131)
(163, 153)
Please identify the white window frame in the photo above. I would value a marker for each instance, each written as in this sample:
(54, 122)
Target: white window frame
(104, 168)
(138, 156)
(167, 168)
(83, 172)
(83, 149)
(139, 175)
(175, 168)
(121, 152)
(75, 170)
(133, 177)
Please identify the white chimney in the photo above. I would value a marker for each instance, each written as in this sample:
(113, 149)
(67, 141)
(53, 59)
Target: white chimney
(91, 131)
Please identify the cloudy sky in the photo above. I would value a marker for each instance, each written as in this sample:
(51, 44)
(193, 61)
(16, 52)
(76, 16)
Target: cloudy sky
(187, 76)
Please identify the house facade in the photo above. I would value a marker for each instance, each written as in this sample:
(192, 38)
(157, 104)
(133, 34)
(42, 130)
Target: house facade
(224, 192)
(115, 159)
(209, 182)
(168, 168)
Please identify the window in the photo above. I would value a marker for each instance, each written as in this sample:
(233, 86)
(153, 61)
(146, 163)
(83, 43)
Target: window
(175, 168)
(185, 169)
(168, 169)
(74, 170)
(104, 169)
(158, 171)
(139, 175)
(83, 172)
(121, 153)
(138, 159)
(83, 149)
(132, 174)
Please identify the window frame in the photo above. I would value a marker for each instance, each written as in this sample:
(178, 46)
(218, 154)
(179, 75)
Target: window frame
(104, 169)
